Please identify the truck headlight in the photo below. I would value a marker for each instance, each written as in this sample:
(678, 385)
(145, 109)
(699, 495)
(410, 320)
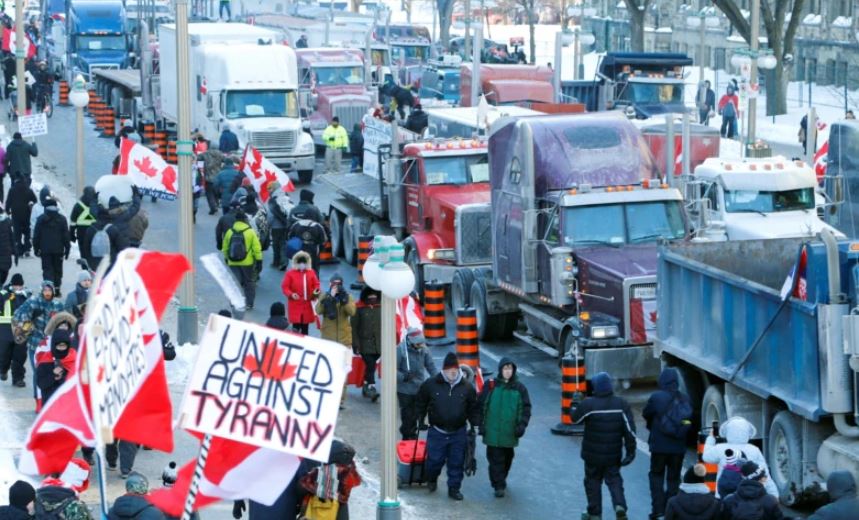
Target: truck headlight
(604, 332)
(441, 254)
(307, 147)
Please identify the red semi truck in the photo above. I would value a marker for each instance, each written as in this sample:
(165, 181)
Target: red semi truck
(508, 84)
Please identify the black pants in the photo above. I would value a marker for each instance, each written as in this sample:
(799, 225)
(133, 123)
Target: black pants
(301, 328)
(52, 268)
(278, 242)
(594, 477)
(21, 229)
(245, 277)
(664, 480)
(211, 197)
(408, 416)
(704, 117)
(124, 451)
(500, 460)
(12, 355)
(370, 368)
(729, 127)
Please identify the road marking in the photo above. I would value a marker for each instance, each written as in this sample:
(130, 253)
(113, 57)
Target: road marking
(493, 357)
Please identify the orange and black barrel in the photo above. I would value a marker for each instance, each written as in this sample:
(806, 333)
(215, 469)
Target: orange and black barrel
(64, 93)
(364, 245)
(467, 345)
(573, 388)
(435, 327)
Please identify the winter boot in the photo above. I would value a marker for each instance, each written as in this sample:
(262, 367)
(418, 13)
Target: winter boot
(586, 516)
(374, 395)
(365, 390)
(620, 513)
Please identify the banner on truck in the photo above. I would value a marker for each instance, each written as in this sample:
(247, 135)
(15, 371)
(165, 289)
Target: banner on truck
(266, 388)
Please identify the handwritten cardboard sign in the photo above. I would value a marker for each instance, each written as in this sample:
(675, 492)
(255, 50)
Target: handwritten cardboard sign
(31, 126)
(266, 387)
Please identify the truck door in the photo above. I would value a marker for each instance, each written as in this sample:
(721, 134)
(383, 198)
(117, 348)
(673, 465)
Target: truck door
(414, 204)
(549, 222)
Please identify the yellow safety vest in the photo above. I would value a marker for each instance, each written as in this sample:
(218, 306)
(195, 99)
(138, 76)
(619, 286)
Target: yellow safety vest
(6, 317)
(85, 218)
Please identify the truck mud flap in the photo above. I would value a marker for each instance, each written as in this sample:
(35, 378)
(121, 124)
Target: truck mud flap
(631, 362)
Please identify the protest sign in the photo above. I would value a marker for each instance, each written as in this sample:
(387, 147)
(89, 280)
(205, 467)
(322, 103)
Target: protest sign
(31, 126)
(115, 344)
(267, 388)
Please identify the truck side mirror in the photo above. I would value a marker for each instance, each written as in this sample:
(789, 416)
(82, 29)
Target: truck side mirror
(210, 107)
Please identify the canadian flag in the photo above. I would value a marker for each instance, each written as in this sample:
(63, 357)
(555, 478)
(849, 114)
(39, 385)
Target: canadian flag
(230, 469)
(820, 159)
(65, 421)
(262, 172)
(9, 43)
(408, 315)
(796, 283)
(147, 170)
(678, 159)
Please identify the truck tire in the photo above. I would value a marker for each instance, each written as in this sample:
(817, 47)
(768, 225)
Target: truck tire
(305, 176)
(485, 331)
(460, 289)
(335, 226)
(713, 407)
(784, 456)
(414, 262)
(116, 100)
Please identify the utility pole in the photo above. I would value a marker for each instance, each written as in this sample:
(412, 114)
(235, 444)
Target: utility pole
(184, 149)
(20, 54)
(467, 41)
(753, 73)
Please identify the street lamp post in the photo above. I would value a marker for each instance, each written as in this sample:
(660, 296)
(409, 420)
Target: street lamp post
(79, 98)
(20, 55)
(386, 271)
(753, 71)
(187, 322)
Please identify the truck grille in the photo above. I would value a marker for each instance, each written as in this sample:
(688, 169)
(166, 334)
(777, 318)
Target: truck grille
(474, 234)
(350, 114)
(280, 141)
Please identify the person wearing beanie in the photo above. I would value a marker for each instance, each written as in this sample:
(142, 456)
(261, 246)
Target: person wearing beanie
(367, 337)
(693, 500)
(842, 492)
(52, 372)
(751, 501)
(13, 354)
(668, 415)
(38, 310)
(449, 401)
(8, 251)
(305, 224)
(133, 504)
(609, 428)
(305, 209)
(336, 307)
(224, 183)
(731, 475)
(52, 242)
(18, 154)
(76, 300)
(279, 207)
(737, 433)
(277, 317)
(414, 366)
(21, 498)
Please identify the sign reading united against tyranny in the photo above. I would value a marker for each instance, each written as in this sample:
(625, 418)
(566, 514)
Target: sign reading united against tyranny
(266, 388)
(115, 343)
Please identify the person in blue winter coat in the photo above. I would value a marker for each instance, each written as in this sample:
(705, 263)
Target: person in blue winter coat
(224, 183)
(229, 142)
(666, 448)
(842, 490)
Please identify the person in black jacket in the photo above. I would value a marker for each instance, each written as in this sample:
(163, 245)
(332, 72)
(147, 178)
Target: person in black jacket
(51, 376)
(82, 217)
(609, 427)
(18, 153)
(449, 401)
(19, 203)
(418, 119)
(8, 252)
(751, 500)
(693, 501)
(277, 317)
(356, 148)
(21, 496)
(402, 96)
(52, 242)
(114, 220)
(666, 449)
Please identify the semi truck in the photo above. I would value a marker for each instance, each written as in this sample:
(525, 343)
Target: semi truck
(508, 84)
(435, 194)
(96, 37)
(332, 84)
(440, 79)
(768, 330)
(259, 103)
(576, 211)
(643, 84)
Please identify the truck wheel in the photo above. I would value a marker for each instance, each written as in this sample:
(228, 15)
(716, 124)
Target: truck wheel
(485, 331)
(335, 226)
(713, 407)
(507, 324)
(460, 289)
(784, 456)
(414, 263)
(305, 176)
(350, 243)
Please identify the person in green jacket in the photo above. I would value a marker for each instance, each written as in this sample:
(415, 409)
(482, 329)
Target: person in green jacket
(506, 409)
(245, 262)
(367, 337)
(336, 140)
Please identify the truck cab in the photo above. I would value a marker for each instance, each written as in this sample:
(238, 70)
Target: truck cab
(519, 85)
(440, 79)
(97, 36)
(332, 84)
(757, 199)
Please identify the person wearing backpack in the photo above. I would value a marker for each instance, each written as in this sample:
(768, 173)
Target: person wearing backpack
(668, 414)
(243, 254)
(729, 109)
(751, 500)
(279, 207)
(82, 216)
(52, 242)
(133, 504)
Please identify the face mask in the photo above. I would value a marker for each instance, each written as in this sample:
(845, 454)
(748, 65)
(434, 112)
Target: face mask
(60, 354)
(301, 267)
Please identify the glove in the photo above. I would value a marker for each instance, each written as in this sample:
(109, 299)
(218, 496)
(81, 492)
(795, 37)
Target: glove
(295, 296)
(520, 430)
(67, 255)
(238, 508)
(258, 266)
(630, 456)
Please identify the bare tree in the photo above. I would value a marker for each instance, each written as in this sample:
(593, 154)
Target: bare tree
(780, 37)
(637, 10)
(530, 9)
(445, 17)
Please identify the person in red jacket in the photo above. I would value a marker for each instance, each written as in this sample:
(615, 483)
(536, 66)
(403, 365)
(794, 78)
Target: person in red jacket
(301, 287)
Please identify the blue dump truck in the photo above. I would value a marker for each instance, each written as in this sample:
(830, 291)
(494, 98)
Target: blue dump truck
(643, 84)
(97, 37)
(788, 364)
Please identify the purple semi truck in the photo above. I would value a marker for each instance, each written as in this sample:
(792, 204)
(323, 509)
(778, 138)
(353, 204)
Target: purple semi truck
(576, 211)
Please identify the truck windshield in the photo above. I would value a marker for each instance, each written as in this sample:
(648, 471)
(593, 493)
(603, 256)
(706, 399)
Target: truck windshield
(654, 93)
(261, 103)
(101, 42)
(339, 75)
(618, 224)
(379, 57)
(744, 201)
(409, 53)
(456, 170)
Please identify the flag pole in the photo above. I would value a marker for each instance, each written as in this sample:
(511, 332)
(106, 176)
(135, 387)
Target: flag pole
(195, 479)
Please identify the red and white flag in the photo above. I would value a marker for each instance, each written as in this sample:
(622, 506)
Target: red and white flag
(147, 170)
(263, 172)
(9, 43)
(678, 159)
(408, 315)
(233, 471)
(820, 159)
